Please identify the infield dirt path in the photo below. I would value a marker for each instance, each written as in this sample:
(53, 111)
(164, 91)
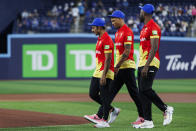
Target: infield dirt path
(167, 97)
(17, 118)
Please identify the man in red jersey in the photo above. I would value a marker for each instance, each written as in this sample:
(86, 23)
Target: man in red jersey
(149, 62)
(125, 65)
(103, 75)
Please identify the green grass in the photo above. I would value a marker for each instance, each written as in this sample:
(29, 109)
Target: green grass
(184, 116)
(82, 86)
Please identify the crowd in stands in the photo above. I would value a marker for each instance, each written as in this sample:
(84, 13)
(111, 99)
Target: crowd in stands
(174, 18)
(57, 19)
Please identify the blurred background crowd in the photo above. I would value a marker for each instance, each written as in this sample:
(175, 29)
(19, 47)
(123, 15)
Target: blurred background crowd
(176, 18)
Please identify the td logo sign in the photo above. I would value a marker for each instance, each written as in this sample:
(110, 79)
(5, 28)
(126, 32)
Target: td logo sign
(80, 60)
(37, 63)
(81, 57)
(40, 60)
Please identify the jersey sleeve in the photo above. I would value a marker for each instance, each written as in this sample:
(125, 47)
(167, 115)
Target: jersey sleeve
(128, 38)
(154, 33)
(108, 46)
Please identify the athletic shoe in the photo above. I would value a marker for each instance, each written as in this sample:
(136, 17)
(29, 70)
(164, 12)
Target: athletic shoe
(102, 124)
(145, 124)
(93, 118)
(168, 115)
(138, 121)
(113, 115)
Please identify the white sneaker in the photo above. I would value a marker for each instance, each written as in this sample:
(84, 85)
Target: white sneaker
(145, 124)
(113, 115)
(102, 124)
(138, 121)
(93, 118)
(168, 115)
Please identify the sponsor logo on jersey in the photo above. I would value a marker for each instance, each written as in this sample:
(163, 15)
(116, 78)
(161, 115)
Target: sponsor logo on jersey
(154, 32)
(129, 37)
(107, 47)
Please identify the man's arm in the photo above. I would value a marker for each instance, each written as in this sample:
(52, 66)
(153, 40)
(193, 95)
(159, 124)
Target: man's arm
(154, 47)
(108, 57)
(125, 55)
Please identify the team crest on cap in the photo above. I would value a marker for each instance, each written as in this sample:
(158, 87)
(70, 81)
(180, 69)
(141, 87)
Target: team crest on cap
(154, 32)
(129, 37)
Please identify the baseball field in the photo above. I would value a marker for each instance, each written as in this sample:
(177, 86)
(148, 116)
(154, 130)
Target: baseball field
(59, 105)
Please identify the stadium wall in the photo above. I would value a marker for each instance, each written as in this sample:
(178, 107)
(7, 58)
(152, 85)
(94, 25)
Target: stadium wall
(70, 56)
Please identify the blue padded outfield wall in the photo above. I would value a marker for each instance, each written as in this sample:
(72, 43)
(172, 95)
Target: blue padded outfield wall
(62, 56)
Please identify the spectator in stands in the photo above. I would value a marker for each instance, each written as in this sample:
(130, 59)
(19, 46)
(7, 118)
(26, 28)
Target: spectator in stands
(173, 28)
(193, 11)
(66, 7)
(81, 9)
(165, 11)
(54, 24)
(76, 18)
(35, 13)
(35, 23)
(54, 11)
(25, 14)
(135, 29)
(71, 3)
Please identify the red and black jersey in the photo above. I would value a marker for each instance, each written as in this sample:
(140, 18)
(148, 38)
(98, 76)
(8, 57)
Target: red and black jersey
(104, 45)
(149, 31)
(122, 37)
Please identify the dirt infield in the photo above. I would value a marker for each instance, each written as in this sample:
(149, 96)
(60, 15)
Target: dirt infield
(167, 97)
(16, 118)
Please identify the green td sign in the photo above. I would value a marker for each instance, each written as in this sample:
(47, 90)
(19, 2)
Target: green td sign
(80, 60)
(39, 60)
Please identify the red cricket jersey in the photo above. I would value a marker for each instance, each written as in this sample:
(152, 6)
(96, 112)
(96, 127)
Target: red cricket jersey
(122, 37)
(104, 45)
(149, 31)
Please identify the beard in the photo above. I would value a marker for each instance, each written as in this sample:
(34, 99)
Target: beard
(97, 34)
(142, 19)
(116, 27)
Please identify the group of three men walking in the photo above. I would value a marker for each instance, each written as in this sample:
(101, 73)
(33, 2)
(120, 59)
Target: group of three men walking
(108, 79)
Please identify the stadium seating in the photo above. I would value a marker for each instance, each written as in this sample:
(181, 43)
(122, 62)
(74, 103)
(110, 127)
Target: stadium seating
(174, 17)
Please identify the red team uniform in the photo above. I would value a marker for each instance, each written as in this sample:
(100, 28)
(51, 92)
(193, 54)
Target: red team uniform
(122, 37)
(150, 30)
(100, 93)
(126, 73)
(150, 36)
(104, 45)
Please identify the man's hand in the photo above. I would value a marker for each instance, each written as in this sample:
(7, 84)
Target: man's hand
(116, 70)
(123, 58)
(154, 47)
(103, 80)
(145, 71)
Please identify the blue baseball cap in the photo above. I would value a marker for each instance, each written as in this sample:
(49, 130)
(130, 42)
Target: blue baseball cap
(148, 8)
(118, 14)
(98, 22)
